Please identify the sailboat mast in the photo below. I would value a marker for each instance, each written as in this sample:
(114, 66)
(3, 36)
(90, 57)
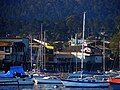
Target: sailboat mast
(38, 57)
(103, 54)
(76, 50)
(44, 52)
(83, 42)
(31, 51)
(41, 53)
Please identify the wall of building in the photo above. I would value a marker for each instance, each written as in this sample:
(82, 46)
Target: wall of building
(15, 53)
(67, 63)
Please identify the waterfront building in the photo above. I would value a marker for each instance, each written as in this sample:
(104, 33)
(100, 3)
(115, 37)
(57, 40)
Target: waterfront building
(13, 52)
(68, 59)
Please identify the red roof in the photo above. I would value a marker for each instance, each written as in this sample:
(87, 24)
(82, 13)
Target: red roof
(5, 43)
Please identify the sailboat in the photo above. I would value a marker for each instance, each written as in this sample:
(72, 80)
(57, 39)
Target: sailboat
(42, 78)
(88, 82)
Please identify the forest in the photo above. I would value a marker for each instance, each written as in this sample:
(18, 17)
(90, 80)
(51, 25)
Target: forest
(61, 19)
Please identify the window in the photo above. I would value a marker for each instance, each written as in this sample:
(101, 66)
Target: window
(1, 48)
(7, 49)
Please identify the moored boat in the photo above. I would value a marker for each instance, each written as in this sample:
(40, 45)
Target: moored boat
(85, 83)
(16, 81)
(15, 76)
(114, 80)
(48, 80)
(115, 83)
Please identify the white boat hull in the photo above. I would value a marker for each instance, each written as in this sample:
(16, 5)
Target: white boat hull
(89, 84)
(47, 81)
(14, 81)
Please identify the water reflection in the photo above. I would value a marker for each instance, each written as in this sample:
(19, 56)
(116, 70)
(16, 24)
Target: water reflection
(47, 87)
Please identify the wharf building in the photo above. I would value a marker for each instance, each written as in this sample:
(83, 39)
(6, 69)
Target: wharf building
(67, 58)
(44, 56)
(14, 52)
(57, 58)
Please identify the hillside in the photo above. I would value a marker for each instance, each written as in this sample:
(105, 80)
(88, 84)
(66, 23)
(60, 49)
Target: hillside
(60, 18)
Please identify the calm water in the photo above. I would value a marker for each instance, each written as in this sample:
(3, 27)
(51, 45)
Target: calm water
(47, 87)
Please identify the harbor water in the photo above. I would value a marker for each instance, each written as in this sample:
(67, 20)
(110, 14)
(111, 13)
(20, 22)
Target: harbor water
(47, 87)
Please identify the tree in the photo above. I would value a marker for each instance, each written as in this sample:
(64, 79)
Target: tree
(70, 22)
(114, 46)
(117, 22)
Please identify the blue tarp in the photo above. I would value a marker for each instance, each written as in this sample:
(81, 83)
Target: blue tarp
(13, 70)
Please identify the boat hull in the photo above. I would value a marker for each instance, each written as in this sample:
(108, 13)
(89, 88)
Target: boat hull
(14, 81)
(115, 83)
(114, 80)
(86, 84)
(47, 81)
(50, 81)
(115, 86)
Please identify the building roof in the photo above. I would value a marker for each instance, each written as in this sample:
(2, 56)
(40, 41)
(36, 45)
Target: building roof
(5, 43)
(47, 45)
(72, 49)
